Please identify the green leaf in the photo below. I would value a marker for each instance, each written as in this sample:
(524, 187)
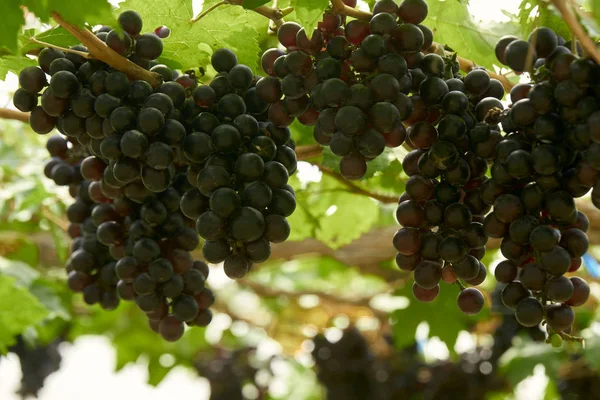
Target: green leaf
(191, 45)
(443, 316)
(14, 64)
(76, 12)
(518, 363)
(252, 4)
(21, 272)
(13, 19)
(131, 336)
(57, 36)
(156, 372)
(329, 212)
(19, 310)
(309, 12)
(20, 247)
(596, 10)
(545, 15)
(453, 25)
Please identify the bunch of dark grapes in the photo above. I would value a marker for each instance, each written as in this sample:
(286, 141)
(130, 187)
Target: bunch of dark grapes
(349, 369)
(548, 157)
(446, 195)
(124, 159)
(240, 165)
(229, 371)
(345, 367)
(37, 363)
(352, 81)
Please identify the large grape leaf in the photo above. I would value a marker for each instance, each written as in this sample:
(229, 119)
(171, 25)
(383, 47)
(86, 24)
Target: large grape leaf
(518, 363)
(453, 25)
(19, 309)
(10, 63)
(252, 4)
(308, 12)
(57, 36)
(76, 12)
(545, 15)
(190, 45)
(127, 328)
(443, 316)
(335, 215)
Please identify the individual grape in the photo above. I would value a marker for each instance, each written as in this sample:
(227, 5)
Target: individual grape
(171, 329)
(236, 266)
(428, 274)
(516, 55)
(467, 268)
(32, 79)
(575, 242)
(382, 24)
(533, 277)
(470, 301)
(544, 40)
(425, 295)
(477, 82)
(581, 292)
(452, 249)
(506, 271)
(529, 312)
(40, 122)
(408, 37)
(560, 317)
(24, 100)
(513, 293)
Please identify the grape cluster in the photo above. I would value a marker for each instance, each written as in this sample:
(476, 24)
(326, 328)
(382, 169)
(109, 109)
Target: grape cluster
(37, 363)
(240, 165)
(124, 160)
(352, 81)
(350, 370)
(547, 158)
(447, 194)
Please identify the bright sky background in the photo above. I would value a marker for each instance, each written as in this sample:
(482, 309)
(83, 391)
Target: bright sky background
(87, 370)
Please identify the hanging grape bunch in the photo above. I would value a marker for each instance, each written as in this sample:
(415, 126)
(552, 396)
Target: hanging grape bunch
(351, 81)
(549, 156)
(447, 194)
(240, 165)
(122, 161)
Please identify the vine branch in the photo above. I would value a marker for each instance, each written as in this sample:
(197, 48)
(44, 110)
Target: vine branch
(63, 49)
(354, 188)
(341, 8)
(571, 19)
(308, 151)
(208, 10)
(6, 113)
(273, 13)
(265, 291)
(98, 49)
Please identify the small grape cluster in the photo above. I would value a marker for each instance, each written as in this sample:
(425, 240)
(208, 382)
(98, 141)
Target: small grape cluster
(351, 81)
(548, 157)
(123, 160)
(240, 165)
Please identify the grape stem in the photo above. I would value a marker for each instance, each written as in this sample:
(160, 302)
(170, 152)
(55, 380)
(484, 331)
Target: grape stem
(354, 188)
(468, 65)
(306, 152)
(99, 50)
(63, 49)
(340, 8)
(265, 291)
(587, 43)
(208, 10)
(273, 13)
(570, 338)
(6, 113)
